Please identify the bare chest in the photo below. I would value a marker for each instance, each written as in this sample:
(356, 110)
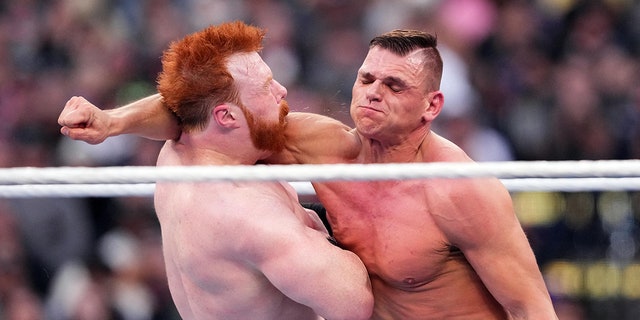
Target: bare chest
(390, 226)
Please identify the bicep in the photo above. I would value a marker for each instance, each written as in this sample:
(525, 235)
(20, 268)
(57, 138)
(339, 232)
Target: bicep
(500, 254)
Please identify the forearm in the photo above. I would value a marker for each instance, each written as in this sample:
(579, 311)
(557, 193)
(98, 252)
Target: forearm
(532, 300)
(146, 117)
(523, 292)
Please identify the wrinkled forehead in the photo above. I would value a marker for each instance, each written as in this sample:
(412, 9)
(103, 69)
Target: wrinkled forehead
(247, 66)
(380, 58)
(382, 63)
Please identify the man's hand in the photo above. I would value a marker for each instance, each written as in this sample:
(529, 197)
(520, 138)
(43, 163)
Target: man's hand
(81, 120)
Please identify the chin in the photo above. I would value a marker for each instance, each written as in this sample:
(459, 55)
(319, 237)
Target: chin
(365, 125)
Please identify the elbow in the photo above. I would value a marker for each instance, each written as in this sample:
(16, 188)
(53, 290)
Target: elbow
(355, 309)
(365, 310)
(362, 306)
(532, 312)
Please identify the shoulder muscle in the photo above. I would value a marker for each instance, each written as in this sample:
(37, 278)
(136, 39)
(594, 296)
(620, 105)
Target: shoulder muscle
(313, 138)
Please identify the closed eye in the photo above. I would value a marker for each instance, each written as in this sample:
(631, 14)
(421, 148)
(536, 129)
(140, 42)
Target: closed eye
(366, 78)
(395, 84)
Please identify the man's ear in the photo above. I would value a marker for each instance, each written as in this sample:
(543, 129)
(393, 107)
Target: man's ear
(223, 116)
(435, 101)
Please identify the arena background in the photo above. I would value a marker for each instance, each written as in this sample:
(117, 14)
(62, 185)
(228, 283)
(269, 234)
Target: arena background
(523, 80)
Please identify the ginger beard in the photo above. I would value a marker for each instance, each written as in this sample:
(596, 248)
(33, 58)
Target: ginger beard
(265, 135)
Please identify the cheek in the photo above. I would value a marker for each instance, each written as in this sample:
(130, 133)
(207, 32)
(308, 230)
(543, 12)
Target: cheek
(358, 98)
(357, 90)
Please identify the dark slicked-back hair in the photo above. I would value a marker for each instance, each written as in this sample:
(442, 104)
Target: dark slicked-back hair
(194, 75)
(403, 42)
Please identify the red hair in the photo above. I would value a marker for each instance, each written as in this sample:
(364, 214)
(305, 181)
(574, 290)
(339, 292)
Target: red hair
(194, 75)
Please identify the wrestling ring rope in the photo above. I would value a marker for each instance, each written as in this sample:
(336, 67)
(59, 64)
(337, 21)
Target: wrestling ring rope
(569, 176)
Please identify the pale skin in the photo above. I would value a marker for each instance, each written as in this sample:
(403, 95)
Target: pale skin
(268, 258)
(435, 248)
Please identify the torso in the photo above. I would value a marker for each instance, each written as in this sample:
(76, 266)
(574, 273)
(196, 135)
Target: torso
(207, 276)
(415, 272)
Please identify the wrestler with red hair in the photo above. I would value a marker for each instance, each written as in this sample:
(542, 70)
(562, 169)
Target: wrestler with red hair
(242, 250)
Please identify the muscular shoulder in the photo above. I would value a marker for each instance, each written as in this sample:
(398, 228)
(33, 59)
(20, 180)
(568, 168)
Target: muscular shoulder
(313, 138)
(442, 150)
(220, 205)
(466, 206)
(261, 217)
(223, 220)
(471, 203)
(167, 155)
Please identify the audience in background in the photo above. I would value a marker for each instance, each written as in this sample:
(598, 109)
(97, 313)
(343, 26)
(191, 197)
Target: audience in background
(535, 80)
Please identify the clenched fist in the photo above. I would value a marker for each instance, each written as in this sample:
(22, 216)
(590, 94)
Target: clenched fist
(81, 120)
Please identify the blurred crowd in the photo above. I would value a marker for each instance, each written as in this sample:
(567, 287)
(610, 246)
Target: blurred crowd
(523, 80)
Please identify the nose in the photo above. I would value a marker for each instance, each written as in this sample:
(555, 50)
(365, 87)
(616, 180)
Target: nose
(373, 91)
(279, 91)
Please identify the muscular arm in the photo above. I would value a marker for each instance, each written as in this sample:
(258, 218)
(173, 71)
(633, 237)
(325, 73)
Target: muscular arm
(311, 138)
(147, 117)
(314, 138)
(301, 263)
(500, 254)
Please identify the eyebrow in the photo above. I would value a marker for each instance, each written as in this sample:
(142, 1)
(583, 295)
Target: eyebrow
(387, 80)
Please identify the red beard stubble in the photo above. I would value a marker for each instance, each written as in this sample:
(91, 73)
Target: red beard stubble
(265, 135)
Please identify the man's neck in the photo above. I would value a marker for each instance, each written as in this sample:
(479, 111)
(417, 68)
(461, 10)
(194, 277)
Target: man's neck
(409, 150)
(195, 153)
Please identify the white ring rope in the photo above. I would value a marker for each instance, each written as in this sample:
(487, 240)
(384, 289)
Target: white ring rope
(305, 188)
(325, 172)
(138, 181)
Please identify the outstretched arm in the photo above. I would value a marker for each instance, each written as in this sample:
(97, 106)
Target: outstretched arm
(147, 117)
